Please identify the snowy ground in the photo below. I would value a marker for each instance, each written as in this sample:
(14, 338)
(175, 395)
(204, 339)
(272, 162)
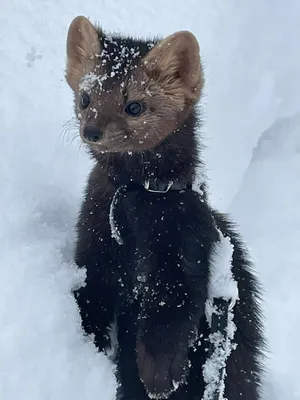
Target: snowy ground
(251, 116)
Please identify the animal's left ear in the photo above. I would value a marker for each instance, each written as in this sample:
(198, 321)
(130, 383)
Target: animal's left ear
(176, 61)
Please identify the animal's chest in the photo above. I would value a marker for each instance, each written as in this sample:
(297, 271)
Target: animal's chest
(153, 219)
(153, 243)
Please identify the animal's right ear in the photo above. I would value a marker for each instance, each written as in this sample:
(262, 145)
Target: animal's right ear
(83, 45)
(175, 62)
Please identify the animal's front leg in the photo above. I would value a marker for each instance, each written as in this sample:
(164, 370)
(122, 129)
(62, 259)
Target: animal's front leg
(162, 348)
(95, 303)
(130, 385)
(171, 303)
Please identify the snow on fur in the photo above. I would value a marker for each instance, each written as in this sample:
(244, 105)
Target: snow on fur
(221, 285)
(221, 282)
(115, 233)
(88, 81)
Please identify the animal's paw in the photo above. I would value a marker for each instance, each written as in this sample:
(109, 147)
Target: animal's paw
(162, 371)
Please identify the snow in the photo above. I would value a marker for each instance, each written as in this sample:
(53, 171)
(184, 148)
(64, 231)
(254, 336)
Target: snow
(222, 350)
(88, 81)
(221, 285)
(221, 282)
(115, 233)
(251, 106)
(266, 207)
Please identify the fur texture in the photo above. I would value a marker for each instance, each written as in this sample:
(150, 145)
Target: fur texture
(155, 284)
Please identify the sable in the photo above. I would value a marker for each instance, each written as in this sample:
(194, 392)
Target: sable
(148, 252)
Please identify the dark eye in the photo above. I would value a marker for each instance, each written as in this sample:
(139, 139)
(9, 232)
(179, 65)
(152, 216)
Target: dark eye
(134, 108)
(85, 100)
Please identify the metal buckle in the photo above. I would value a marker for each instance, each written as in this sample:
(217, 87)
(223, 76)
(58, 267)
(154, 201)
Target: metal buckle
(147, 187)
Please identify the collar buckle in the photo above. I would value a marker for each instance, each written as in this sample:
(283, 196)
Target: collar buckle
(159, 187)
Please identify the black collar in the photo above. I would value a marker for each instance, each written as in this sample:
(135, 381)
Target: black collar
(157, 186)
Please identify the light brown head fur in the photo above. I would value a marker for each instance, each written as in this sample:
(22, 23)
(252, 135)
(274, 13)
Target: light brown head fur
(164, 77)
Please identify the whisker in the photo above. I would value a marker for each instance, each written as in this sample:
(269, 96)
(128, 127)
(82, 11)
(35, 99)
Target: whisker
(80, 147)
(70, 131)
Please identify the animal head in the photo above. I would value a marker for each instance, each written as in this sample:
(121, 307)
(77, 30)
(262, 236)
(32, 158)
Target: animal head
(130, 94)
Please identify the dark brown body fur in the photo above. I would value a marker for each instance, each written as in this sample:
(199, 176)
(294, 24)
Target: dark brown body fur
(155, 283)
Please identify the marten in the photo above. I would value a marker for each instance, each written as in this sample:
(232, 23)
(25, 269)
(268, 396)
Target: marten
(145, 235)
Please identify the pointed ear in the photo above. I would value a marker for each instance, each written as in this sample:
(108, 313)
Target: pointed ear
(83, 45)
(176, 61)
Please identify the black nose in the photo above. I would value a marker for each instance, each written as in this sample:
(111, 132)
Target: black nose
(92, 134)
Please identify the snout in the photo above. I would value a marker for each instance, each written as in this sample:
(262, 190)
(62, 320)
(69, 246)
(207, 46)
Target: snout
(91, 134)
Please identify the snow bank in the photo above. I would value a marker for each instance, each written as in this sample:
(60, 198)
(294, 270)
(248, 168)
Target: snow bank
(267, 207)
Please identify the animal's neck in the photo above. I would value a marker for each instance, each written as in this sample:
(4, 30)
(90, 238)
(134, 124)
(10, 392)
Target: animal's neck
(175, 159)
